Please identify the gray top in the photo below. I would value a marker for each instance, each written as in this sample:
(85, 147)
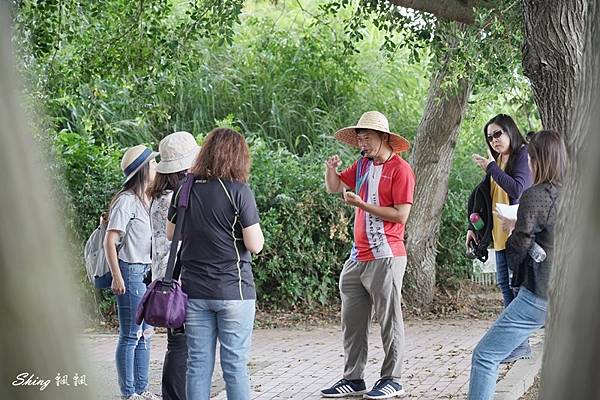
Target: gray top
(161, 246)
(137, 240)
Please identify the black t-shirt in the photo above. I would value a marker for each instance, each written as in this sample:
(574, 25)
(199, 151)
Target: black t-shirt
(215, 263)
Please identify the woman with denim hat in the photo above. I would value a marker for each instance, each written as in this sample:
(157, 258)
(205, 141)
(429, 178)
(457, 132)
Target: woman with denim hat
(220, 233)
(177, 154)
(129, 223)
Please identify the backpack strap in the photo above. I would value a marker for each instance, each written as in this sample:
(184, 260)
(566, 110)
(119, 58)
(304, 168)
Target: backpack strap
(235, 209)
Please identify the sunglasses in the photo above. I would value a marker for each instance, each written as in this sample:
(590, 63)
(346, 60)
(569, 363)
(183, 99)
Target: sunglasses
(495, 135)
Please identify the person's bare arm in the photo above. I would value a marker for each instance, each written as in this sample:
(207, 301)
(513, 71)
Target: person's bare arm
(399, 213)
(110, 250)
(254, 239)
(170, 230)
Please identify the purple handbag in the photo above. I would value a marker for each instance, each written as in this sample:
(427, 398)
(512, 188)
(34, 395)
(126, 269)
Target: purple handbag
(164, 303)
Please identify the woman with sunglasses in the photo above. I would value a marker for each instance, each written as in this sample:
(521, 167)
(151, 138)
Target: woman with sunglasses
(536, 219)
(507, 174)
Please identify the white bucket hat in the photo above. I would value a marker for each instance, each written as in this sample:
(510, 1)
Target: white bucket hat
(177, 152)
(378, 122)
(134, 159)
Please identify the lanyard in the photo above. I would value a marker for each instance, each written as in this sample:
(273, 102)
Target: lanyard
(360, 179)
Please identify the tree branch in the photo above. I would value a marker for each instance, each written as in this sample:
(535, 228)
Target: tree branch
(454, 10)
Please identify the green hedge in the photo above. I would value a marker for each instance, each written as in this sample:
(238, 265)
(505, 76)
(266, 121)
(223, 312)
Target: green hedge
(307, 231)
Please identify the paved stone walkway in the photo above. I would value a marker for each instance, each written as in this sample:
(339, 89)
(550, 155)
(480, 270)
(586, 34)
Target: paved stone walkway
(436, 365)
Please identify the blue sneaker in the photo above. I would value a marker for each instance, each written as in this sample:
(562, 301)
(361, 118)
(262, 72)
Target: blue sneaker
(345, 387)
(385, 388)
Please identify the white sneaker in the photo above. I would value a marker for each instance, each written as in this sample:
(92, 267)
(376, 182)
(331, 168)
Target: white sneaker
(146, 395)
(134, 396)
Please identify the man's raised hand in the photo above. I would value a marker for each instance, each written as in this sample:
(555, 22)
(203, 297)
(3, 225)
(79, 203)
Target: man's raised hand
(333, 162)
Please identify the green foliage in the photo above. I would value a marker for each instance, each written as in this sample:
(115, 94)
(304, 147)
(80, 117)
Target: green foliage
(486, 53)
(307, 231)
(402, 28)
(92, 175)
(111, 74)
(282, 84)
(215, 19)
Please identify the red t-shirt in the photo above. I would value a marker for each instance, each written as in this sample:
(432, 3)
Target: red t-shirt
(385, 185)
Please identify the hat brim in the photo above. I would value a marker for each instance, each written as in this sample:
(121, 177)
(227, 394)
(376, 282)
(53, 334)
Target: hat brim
(349, 136)
(146, 161)
(181, 164)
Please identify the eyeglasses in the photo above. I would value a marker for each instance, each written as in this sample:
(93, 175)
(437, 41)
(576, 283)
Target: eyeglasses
(495, 135)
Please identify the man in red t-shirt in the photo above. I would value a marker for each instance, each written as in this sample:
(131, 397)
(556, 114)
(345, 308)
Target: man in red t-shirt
(381, 188)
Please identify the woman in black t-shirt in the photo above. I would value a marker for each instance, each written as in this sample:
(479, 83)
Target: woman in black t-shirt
(220, 232)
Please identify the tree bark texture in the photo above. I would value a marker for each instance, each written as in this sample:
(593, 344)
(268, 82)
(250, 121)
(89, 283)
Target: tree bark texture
(431, 160)
(552, 57)
(572, 355)
(552, 60)
(555, 34)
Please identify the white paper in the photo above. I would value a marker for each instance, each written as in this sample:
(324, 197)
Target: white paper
(507, 211)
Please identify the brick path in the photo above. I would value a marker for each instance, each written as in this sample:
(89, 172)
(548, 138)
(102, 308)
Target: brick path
(436, 365)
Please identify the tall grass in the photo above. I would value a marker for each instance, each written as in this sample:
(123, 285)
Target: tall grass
(286, 81)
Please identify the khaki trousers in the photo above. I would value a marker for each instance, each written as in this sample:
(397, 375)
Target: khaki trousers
(367, 287)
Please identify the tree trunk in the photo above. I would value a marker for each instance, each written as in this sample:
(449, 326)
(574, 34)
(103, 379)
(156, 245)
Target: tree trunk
(431, 160)
(552, 58)
(570, 365)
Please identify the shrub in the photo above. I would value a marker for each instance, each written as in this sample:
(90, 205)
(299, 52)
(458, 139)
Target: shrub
(93, 176)
(308, 233)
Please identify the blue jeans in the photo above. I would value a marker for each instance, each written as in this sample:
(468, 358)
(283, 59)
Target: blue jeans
(522, 317)
(133, 349)
(231, 321)
(503, 275)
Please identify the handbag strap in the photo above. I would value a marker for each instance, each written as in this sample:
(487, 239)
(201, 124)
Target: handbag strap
(183, 197)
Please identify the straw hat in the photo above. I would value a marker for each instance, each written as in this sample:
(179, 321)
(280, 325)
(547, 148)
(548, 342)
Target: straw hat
(177, 152)
(134, 159)
(376, 121)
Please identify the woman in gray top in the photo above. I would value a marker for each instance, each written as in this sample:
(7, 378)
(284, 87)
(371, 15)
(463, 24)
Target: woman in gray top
(535, 224)
(177, 154)
(129, 222)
